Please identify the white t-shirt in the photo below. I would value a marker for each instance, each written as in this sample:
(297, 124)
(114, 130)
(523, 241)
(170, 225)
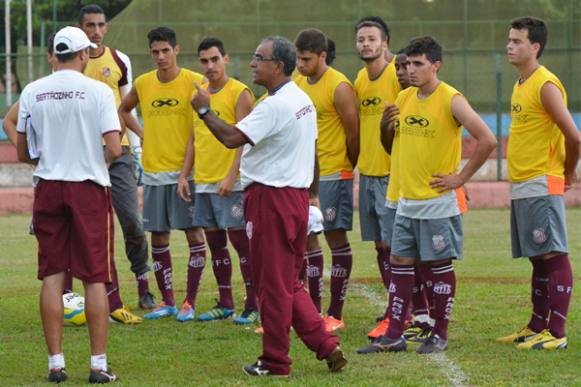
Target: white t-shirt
(283, 132)
(65, 116)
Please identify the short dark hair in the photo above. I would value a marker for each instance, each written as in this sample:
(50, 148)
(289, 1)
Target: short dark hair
(331, 52)
(69, 56)
(50, 43)
(377, 20)
(162, 34)
(88, 9)
(537, 29)
(312, 40)
(284, 51)
(425, 45)
(210, 42)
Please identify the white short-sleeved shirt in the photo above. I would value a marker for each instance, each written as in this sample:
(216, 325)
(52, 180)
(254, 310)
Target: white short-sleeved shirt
(65, 116)
(282, 130)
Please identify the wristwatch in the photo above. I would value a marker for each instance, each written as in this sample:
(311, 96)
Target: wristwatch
(203, 111)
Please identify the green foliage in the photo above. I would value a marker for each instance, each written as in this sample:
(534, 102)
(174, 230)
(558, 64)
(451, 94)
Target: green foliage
(42, 11)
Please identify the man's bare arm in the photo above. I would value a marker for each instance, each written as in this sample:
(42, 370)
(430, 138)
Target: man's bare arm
(22, 150)
(314, 188)
(10, 123)
(387, 127)
(485, 143)
(112, 146)
(183, 184)
(345, 103)
(552, 100)
(128, 103)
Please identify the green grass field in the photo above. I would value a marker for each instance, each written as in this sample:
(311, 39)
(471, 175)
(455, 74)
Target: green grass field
(492, 300)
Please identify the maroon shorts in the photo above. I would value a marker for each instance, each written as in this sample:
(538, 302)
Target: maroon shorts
(73, 223)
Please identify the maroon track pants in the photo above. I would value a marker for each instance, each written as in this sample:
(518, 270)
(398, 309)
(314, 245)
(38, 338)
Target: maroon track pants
(277, 229)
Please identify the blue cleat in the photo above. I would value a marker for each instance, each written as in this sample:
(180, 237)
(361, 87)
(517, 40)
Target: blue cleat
(186, 312)
(216, 313)
(248, 316)
(161, 311)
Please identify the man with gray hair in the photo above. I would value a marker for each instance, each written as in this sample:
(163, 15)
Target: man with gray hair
(278, 172)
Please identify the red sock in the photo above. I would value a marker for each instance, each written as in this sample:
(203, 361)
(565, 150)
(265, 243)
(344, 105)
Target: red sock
(221, 265)
(303, 271)
(427, 277)
(239, 240)
(195, 270)
(142, 284)
(444, 292)
(560, 288)
(383, 263)
(113, 291)
(400, 295)
(419, 302)
(163, 272)
(340, 272)
(539, 296)
(68, 282)
(315, 276)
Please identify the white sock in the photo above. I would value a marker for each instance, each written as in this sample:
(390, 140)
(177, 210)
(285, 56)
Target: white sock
(56, 361)
(99, 362)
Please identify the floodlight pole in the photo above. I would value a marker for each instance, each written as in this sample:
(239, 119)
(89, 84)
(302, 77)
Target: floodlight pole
(29, 37)
(8, 52)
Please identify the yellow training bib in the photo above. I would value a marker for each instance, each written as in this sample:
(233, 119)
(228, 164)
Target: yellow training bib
(332, 141)
(167, 119)
(373, 96)
(536, 145)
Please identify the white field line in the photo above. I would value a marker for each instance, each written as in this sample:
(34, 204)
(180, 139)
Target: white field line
(447, 367)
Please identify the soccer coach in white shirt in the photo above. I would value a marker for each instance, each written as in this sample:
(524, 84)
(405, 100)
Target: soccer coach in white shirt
(277, 169)
(62, 120)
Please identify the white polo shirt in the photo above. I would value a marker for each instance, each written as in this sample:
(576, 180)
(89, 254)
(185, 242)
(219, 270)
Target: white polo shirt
(283, 133)
(65, 116)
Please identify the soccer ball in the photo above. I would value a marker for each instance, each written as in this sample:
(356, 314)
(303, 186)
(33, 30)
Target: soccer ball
(315, 225)
(74, 309)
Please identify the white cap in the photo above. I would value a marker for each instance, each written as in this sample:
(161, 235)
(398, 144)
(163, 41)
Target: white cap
(73, 38)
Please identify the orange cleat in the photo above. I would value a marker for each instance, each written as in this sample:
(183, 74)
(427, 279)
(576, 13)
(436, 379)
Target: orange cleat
(332, 324)
(379, 330)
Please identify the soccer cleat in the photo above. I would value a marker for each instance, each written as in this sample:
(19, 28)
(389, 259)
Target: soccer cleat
(336, 360)
(124, 316)
(416, 334)
(379, 330)
(57, 375)
(544, 340)
(433, 344)
(523, 335)
(161, 311)
(147, 301)
(412, 331)
(186, 313)
(257, 369)
(332, 324)
(216, 313)
(102, 376)
(384, 344)
(248, 316)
